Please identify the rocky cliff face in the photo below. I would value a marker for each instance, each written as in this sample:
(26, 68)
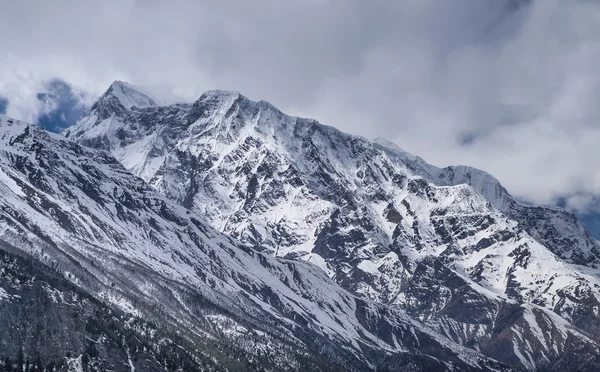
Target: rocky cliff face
(450, 247)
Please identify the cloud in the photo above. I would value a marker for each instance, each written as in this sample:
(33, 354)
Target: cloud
(508, 86)
(3, 105)
(60, 106)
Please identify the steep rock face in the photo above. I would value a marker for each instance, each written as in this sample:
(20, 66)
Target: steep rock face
(128, 248)
(384, 224)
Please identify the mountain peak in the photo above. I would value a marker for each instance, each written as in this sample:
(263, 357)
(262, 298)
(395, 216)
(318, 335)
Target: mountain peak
(221, 97)
(129, 95)
(223, 100)
(221, 93)
(218, 102)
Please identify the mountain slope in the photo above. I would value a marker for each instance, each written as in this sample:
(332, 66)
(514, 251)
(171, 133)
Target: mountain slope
(79, 211)
(383, 224)
(47, 322)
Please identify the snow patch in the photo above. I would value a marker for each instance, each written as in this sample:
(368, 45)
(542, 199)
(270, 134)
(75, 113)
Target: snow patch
(4, 296)
(10, 182)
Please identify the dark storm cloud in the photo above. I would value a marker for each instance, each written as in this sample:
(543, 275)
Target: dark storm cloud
(505, 85)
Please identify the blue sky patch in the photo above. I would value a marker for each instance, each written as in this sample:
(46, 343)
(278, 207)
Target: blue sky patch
(3, 105)
(62, 106)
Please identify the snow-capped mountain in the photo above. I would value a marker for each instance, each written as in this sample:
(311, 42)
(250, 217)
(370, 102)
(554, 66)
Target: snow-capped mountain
(450, 246)
(163, 277)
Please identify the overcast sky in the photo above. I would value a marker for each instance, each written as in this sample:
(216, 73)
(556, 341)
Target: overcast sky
(511, 87)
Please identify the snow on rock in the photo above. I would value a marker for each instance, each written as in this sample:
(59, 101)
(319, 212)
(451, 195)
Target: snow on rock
(4, 296)
(10, 183)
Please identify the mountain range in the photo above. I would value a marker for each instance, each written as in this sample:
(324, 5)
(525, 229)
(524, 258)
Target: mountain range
(223, 234)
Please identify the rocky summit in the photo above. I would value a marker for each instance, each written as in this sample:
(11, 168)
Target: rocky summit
(225, 235)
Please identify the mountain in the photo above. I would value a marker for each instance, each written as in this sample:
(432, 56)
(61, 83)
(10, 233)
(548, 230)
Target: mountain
(99, 271)
(449, 247)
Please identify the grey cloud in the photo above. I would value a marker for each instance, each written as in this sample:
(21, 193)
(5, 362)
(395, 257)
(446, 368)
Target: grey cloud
(509, 86)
